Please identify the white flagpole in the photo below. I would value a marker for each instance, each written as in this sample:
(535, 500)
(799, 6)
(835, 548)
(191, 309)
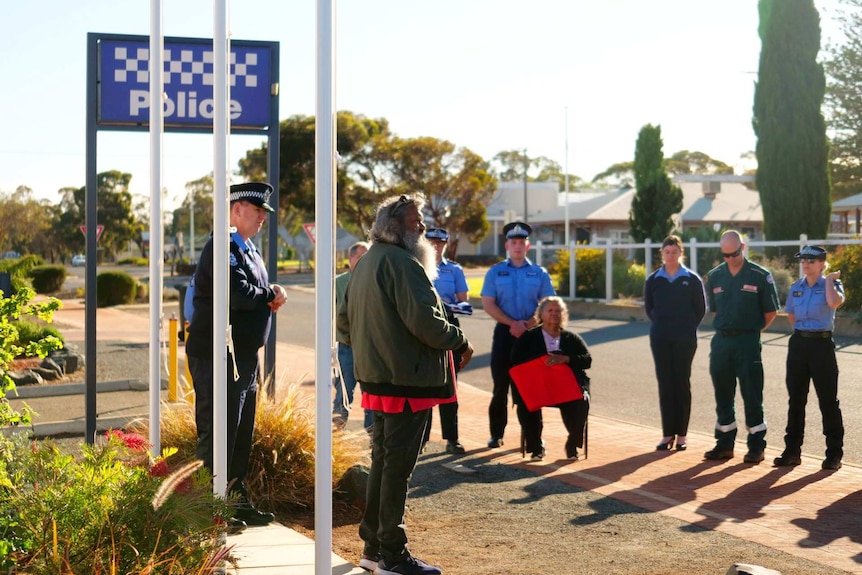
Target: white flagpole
(221, 130)
(324, 264)
(156, 225)
(566, 169)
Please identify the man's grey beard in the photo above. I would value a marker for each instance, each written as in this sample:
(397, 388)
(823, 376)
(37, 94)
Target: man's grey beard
(423, 250)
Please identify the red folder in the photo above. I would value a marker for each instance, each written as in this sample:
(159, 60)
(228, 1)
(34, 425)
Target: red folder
(541, 385)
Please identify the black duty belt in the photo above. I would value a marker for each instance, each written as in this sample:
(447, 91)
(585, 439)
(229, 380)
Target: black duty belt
(734, 332)
(813, 334)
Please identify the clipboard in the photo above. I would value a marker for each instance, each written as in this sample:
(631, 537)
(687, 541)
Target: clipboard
(541, 385)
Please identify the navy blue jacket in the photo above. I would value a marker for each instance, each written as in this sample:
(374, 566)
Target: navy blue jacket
(675, 307)
(250, 294)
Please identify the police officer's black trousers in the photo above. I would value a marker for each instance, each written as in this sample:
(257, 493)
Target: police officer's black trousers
(672, 358)
(501, 362)
(814, 360)
(395, 442)
(241, 407)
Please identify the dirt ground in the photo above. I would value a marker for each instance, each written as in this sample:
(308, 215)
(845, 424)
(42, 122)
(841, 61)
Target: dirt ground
(503, 520)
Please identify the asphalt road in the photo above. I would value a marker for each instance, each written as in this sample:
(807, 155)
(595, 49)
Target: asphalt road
(623, 377)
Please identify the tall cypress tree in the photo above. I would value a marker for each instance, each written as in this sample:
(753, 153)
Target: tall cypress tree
(792, 150)
(657, 199)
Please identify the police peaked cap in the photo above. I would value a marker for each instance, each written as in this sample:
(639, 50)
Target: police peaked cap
(811, 252)
(437, 234)
(256, 193)
(517, 230)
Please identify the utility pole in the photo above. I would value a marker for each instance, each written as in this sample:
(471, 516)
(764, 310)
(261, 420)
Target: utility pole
(526, 167)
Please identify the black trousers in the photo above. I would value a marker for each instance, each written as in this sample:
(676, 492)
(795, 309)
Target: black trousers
(501, 362)
(395, 442)
(448, 411)
(241, 408)
(813, 360)
(573, 413)
(672, 358)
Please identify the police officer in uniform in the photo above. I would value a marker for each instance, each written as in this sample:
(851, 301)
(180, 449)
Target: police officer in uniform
(451, 286)
(510, 295)
(810, 307)
(252, 301)
(742, 295)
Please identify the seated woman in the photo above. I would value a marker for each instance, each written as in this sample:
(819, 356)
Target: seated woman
(561, 346)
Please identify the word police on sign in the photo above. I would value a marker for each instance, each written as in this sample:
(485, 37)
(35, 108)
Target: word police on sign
(188, 82)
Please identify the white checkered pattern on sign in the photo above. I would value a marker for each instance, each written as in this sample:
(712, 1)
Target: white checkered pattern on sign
(182, 68)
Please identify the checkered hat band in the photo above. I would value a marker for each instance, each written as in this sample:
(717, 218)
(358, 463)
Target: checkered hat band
(248, 194)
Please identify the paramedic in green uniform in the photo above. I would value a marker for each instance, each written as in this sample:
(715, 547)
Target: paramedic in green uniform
(743, 298)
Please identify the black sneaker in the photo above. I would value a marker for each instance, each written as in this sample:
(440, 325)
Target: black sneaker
(250, 514)
(495, 442)
(572, 454)
(538, 455)
(455, 447)
(369, 562)
(408, 565)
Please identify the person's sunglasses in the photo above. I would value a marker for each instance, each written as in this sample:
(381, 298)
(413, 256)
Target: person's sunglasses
(395, 206)
(732, 254)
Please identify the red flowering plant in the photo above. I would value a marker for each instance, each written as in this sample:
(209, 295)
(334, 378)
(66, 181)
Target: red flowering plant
(111, 509)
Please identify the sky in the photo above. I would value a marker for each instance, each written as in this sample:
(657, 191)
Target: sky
(572, 80)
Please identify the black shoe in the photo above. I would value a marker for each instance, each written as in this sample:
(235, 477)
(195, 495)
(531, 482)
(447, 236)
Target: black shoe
(754, 456)
(538, 455)
(408, 565)
(787, 460)
(572, 454)
(681, 446)
(250, 514)
(495, 442)
(454, 447)
(665, 445)
(717, 453)
(235, 526)
(831, 464)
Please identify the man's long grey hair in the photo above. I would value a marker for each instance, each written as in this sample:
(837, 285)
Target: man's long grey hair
(390, 228)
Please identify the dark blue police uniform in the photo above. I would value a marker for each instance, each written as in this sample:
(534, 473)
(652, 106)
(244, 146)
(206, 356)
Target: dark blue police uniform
(250, 320)
(517, 291)
(450, 282)
(811, 357)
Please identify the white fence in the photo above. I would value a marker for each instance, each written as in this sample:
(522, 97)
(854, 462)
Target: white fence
(692, 247)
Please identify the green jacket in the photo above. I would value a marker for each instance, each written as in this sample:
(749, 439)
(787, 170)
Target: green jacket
(396, 324)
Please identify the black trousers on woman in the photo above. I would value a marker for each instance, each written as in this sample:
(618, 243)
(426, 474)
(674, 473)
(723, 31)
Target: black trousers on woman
(673, 359)
(813, 360)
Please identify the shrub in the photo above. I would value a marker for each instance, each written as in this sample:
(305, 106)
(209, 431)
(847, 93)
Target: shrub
(629, 279)
(115, 288)
(48, 279)
(281, 467)
(19, 271)
(848, 260)
(12, 308)
(29, 332)
(113, 509)
(142, 291)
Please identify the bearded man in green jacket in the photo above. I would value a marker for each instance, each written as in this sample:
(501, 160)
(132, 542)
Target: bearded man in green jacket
(402, 345)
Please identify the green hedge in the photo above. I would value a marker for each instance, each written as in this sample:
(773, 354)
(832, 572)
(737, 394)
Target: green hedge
(115, 288)
(48, 279)
(29, 331)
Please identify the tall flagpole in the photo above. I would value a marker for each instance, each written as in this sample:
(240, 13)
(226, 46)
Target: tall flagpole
(324, 264)
(221, 129)
(156, 224)
(566, 169)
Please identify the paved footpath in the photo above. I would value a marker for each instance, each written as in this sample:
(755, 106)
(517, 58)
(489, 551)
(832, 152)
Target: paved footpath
(803, 511)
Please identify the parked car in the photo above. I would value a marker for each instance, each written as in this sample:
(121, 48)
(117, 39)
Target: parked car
(78, 260)
(11, 255)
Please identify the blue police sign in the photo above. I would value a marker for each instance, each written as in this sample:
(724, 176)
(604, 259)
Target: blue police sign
(124, 97)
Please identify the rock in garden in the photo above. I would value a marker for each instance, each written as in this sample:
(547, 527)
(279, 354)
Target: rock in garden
(353, 485)
(67, 359)
(25, 377)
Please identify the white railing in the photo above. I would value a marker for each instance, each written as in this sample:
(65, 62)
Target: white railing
(648, 246)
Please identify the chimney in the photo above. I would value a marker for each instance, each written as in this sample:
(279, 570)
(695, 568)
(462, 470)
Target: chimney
(710, 189)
